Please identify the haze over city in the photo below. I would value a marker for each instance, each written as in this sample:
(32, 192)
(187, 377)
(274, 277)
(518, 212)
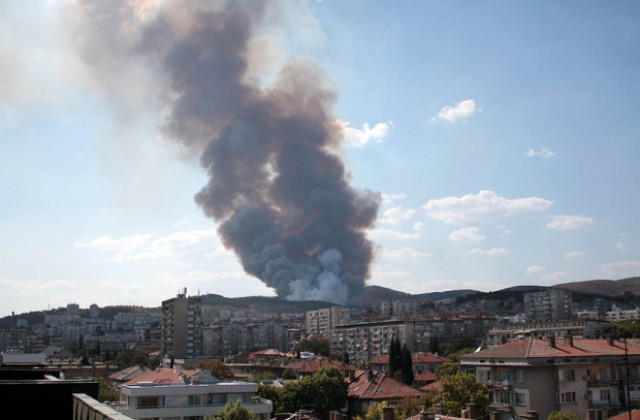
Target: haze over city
(481, 146)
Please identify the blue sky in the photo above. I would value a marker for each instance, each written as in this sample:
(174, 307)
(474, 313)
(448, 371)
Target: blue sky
(504, 138)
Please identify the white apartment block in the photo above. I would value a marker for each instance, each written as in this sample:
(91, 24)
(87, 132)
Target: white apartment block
(623, 315)
(321, 321)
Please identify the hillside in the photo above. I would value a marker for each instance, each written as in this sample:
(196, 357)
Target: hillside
(604, 287)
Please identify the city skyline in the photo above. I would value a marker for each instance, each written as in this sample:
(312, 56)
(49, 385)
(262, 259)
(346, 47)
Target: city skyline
(502, 139)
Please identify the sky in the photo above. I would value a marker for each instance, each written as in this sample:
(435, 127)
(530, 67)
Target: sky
(501, 137)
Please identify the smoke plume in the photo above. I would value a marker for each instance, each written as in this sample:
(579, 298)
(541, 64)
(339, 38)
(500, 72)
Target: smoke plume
(277, 188)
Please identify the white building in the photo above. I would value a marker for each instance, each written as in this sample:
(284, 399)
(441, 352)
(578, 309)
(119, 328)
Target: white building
(186, 394)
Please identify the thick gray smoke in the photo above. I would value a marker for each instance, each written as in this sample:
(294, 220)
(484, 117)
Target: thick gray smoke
(277, 188)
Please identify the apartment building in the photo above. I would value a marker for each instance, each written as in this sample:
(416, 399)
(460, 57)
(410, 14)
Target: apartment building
(321, 321)
(182, 327)
(223, 340)
(548, 305)
(592, 378)
(579, 328)
(623, 315)
(186, 394)
(369, 340)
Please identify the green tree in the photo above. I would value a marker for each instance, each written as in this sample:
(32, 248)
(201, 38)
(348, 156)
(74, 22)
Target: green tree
(233, 411)
(271, 393)
(323, 392)
(406, 366)
(563, 415)
(315, 345)
(462, 388)
(106, 390)
(395, 357)
(625, 329)
(289, 374)
(447, 369)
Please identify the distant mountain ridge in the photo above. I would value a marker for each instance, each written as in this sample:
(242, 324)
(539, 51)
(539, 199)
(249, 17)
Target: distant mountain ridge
(373, 294)
(604, 287)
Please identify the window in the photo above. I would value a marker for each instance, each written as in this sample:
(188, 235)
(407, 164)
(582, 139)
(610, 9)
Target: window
(565, 397)
(519, 398)
(605, 395)
(603, 374)
(195, 400)
(566, 375)
(519, 375)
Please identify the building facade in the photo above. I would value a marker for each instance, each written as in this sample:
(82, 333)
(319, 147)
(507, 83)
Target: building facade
(548, 305)
(184, 395)
(592, 378)
(181, 328)
(320, 322)
(578, 328)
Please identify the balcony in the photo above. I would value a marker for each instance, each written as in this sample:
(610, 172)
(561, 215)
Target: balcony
(501, 407)
(499, 385)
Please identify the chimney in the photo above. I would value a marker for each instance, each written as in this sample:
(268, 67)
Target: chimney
(472, 410)
(552, 341)
(387, 413)
(570, 340)
(610, 340)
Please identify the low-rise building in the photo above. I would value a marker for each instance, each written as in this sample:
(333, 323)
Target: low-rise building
(589, 377)
(185, 394)
(577, 328)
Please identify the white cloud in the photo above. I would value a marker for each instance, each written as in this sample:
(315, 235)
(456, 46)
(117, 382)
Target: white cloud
(178, 246)
(535, 269)
(361, 137)
(462, 109)
(482, 207)
(393, 234)
(404, 254)
(572, 255)
(391, 198)
(394, 215)
(418, 227)
(468, 235)
(569, 222)
(621, 269)
(493, 252)
(543, 153)
(621, 246)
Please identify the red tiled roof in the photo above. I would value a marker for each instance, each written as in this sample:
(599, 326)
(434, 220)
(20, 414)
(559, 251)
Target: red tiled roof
(425, 376)
(635, 415)
(531, 347)
(164, 376)
(432, 385)
(378, 386)
(129, 373)
(415, 358)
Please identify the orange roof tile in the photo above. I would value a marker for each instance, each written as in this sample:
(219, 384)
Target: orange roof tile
(378, 386)
(529, 348)
(425, 376)
(635, 415)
